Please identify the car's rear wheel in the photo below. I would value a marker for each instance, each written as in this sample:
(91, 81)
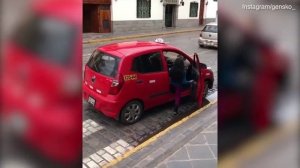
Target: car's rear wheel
(201, 46)
(132, 112)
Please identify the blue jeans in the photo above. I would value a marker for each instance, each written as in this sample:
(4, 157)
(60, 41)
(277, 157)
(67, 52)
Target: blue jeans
(178, 89)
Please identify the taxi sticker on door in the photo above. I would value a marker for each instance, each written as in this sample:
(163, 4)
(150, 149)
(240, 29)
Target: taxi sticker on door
(130, 77)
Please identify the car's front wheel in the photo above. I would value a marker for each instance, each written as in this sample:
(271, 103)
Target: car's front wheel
(132, 112)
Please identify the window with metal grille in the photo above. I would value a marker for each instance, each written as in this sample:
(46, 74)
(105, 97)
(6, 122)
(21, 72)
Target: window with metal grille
(143, 8)
(193, 9)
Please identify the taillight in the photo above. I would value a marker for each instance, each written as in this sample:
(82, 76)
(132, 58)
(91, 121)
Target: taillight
(200, 34)
(116, 85)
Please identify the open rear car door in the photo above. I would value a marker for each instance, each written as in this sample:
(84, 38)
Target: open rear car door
(200, 82)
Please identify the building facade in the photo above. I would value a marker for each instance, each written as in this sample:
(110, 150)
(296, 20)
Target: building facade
(143, 15)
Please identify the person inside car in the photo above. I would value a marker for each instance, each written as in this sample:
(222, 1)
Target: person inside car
(178, 80)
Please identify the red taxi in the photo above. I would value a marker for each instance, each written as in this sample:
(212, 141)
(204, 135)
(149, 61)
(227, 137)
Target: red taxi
(122, 80)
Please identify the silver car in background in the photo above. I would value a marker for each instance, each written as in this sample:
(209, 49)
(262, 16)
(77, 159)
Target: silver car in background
(209, 35)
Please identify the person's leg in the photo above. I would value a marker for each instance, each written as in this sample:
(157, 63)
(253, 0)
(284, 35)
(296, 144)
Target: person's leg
(193, 90)
(177, 98)
(192, 86)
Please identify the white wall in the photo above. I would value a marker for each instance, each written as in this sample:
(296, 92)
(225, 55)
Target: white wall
(184, 11)
(211, 9)
(123, 10)
(126, 10)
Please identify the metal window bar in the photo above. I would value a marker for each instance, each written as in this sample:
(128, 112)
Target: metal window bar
(143, 8)
(193, 9)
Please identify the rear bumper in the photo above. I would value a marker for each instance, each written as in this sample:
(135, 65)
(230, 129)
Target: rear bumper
(108, 107)
(207, 42)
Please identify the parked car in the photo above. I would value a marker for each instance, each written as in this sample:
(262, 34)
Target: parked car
(209, 35)
(122, 80)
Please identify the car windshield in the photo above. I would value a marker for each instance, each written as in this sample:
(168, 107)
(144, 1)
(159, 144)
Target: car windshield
(104, 64)
(48, 38)
(211, 28)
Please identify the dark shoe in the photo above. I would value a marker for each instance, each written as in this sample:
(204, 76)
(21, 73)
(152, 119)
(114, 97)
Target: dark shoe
(176, 109)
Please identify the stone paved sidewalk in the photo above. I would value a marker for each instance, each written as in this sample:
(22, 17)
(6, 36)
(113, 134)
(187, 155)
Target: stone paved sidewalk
(200, 152)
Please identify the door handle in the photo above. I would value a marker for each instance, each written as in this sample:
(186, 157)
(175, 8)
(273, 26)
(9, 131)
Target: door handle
(139, 81)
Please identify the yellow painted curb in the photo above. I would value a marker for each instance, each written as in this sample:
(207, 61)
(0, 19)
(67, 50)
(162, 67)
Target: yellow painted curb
(155, 137)
(136, 36)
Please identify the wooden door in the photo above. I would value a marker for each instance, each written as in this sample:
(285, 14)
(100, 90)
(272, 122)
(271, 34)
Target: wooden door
(169, 16)
(94, 19)
(105, 21)
(90, 18)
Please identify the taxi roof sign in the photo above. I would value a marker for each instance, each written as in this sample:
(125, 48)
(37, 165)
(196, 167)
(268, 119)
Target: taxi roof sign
(159, 40)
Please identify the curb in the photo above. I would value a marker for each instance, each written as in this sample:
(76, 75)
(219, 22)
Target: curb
(138, 36)
(147, 144)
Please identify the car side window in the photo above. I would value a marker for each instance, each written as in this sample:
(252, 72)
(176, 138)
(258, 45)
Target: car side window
(148, 63)
(171, 56)
(210, 28)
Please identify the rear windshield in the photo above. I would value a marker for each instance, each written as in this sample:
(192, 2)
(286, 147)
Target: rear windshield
(211, 28)
(104, 64)
(48, 38)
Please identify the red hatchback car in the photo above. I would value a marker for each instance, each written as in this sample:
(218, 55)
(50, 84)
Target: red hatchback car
(123, 79)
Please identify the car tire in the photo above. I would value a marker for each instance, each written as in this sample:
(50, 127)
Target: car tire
(131, 112)
(205, 89)
(201, 46)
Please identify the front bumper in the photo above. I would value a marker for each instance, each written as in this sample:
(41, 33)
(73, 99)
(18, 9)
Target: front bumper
(207, 42)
